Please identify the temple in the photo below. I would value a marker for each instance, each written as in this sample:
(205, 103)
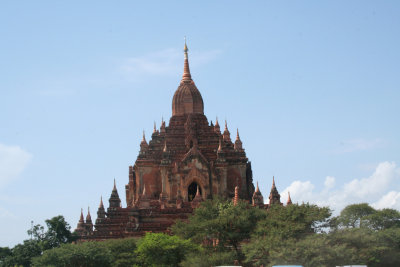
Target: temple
(183, 164)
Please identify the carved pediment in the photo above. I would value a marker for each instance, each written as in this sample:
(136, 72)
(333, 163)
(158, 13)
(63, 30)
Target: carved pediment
(194, 153)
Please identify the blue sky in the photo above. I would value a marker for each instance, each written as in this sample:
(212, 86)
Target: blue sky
(313, 87)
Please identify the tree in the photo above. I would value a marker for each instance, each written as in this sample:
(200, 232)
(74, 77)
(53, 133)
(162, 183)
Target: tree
(208, 257)
(4, 252)
(58, 232)
(220, 220)
(163, 250)
(369, 247)
(110, 253)
(88, 254)
(353, 216)
(122, 251)
(283, 226)
(383, 219)
(22, 254)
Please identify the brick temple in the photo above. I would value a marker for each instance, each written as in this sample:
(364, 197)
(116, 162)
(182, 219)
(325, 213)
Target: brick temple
(183, 164)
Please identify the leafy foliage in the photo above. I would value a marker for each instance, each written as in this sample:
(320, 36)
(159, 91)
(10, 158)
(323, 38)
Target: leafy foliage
(110, 253)
(4, 252)
(220, 220)
(88, 254)
(58, 232)
(219, 233)
(22, 254)
(163, 250)
(209, 257)
(383, 219)
(283, 226)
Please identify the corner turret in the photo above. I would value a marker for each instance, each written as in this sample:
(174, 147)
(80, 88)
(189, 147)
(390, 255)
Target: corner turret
(101, 213)
(115, 201)
(274, 196)
(257, 199)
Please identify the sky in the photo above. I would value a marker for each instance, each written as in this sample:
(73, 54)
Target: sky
(312, 86)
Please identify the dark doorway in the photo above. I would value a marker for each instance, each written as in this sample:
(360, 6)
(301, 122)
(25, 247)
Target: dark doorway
(192, 190)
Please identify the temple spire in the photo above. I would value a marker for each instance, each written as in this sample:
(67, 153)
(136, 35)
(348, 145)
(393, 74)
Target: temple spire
(114, 199)
(274, 196)
(216, 127)
(101, 206)
(88, 216)
(226, 135)
(289, 201)
(144, 138)
(81, 224)
(186, 71)
(81, 218)
(257, 199)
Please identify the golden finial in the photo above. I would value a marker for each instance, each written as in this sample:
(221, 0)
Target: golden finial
(185, 48)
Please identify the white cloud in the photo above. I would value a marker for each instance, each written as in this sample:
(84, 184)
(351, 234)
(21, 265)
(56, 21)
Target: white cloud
(13, 160)
(376, 183)
(165, 62)
(373, 190)
(298, 190)
(390, 200)
(329, 182)
(360, 144)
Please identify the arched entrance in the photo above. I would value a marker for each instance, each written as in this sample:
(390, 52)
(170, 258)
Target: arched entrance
(192, 190)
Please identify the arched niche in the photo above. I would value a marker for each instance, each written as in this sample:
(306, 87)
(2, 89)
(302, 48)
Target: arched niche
(192, 190)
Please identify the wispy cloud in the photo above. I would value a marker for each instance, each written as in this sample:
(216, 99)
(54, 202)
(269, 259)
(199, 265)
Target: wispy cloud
(379, 189)
(6, 214)
(360, 144)
(13, 160)
(163, 63)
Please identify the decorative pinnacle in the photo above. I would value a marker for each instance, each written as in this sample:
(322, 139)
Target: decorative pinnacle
(81, 218)
(115, 186)
(226, 126)
(155, 130)
(273, 181)
(216, 122)
(101, 202)
(186, 71)
(257, 189)
(185, 49)
(289, 201)
(237, 134)
(144, 137)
